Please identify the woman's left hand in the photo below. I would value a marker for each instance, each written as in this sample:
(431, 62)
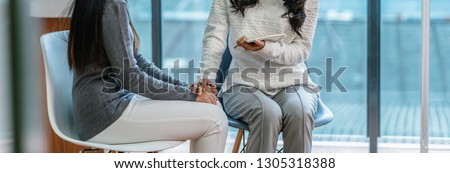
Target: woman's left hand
(204, 85)
(257, 45)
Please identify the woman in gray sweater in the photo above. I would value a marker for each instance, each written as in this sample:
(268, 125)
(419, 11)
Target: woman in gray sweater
(120, 97)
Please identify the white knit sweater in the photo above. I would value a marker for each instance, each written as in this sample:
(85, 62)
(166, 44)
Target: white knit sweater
(251, 68)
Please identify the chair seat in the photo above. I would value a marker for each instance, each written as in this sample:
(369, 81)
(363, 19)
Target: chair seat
(132, 147)
(323, 115)
(237, 123)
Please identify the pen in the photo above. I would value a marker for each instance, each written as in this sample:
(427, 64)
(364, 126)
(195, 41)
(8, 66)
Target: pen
(235, 47)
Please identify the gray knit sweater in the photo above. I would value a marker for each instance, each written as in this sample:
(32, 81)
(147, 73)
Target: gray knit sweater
(100, 96)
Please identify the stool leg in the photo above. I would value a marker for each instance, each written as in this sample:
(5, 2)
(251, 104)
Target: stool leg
(237, 142)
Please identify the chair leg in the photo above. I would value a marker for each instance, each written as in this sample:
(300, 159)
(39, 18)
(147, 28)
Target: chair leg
(237, 142)
(280, 150)
(86, 150)
(244, 145)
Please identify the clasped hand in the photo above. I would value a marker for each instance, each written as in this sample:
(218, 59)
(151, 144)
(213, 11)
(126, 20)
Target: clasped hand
(206, 91)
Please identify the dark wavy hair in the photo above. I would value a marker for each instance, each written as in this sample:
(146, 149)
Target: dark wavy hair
(86, 34)
(295, 11)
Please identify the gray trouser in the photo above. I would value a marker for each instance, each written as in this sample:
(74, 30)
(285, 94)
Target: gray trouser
(290, 111)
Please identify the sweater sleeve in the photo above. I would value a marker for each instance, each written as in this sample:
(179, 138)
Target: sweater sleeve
(215, 40)
(299, 50)
(118, 42)
(151, 70)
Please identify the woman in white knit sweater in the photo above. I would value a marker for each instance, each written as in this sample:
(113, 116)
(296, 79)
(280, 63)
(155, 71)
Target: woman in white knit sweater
(267, 84)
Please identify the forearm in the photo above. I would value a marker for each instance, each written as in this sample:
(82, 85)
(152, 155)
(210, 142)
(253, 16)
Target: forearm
(154, 88)
(285, 54)
(150, 68)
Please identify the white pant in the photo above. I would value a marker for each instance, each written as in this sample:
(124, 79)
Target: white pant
(146, 120)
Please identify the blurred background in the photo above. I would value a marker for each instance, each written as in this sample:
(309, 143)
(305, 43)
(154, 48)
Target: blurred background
(5, 125)
(341, 35)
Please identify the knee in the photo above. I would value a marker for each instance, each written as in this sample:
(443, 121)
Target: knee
(217, 116)
(266, 113)
(298, 113)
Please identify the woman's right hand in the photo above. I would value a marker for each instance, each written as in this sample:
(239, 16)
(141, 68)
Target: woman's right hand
(256, 46)
(206, 97)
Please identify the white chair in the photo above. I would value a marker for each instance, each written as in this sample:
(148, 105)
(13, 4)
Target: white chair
(59, 99)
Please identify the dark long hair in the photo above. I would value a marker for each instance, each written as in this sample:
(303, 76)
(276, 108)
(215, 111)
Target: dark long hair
(295, 11)
(85, 43)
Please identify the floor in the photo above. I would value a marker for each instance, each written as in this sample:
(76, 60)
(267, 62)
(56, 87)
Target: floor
(361, 146)
(343, 147)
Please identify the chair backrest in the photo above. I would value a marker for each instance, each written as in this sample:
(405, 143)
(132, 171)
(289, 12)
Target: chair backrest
(224, 66)
(323, 115)
(59, 81)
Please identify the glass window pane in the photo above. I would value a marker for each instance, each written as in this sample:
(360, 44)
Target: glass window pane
(401, 76)
(341, 37)
(141, 15)
(5, 128)
(184, 22)
(440, 76)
